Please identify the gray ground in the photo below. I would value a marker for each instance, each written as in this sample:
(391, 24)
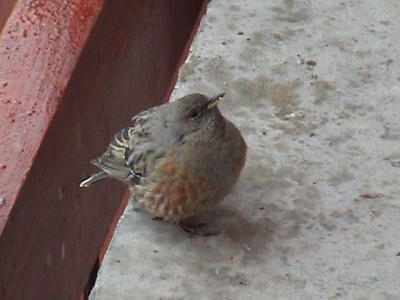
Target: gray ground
(314, 87)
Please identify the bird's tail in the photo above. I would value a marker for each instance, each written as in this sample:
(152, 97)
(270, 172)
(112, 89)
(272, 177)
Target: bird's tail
(93, 179)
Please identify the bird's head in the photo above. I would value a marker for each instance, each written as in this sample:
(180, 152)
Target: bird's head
(196, 112)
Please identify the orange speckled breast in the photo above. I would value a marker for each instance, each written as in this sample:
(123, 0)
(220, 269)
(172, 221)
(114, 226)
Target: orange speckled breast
(175, 191)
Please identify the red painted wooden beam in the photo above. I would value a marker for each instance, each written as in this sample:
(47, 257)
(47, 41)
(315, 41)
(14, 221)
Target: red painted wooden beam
(6, 7)
(71, 74)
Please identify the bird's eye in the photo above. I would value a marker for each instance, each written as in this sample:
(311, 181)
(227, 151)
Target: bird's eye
(194, 113)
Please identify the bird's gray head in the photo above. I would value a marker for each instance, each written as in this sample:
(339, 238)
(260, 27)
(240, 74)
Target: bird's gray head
(196, 112)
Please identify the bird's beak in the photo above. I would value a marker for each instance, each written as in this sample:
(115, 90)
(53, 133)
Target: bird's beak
(213, 101)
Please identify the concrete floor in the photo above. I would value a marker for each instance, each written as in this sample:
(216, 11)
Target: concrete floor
(314, 87)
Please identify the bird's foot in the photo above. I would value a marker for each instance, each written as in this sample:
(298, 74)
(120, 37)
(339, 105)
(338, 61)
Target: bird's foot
(192, 229)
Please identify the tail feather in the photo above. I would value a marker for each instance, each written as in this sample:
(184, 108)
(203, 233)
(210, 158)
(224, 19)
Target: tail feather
(93, 179)
(114, 167)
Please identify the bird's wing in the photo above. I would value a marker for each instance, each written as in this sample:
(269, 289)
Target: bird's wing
(113, 161)
(133, 151)
(145, 146)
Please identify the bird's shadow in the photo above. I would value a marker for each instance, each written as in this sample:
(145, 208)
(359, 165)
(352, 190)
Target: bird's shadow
(259, 229)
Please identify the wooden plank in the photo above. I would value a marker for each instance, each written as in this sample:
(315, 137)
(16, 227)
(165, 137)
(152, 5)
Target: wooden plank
(72, 73)
(6, 7)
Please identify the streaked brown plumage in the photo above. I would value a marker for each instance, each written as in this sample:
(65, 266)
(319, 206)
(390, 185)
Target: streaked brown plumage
(178, 158)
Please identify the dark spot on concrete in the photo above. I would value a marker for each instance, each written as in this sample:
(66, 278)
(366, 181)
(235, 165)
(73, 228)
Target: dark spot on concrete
(311, 63)
(292, 12)
(340, 177)
(327, 223)
(365, 77)
(322, 91)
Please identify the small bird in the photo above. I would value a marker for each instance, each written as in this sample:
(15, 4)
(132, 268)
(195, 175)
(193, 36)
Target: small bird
(178, 159)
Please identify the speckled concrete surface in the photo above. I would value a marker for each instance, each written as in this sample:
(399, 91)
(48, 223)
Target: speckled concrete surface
(314, 87)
